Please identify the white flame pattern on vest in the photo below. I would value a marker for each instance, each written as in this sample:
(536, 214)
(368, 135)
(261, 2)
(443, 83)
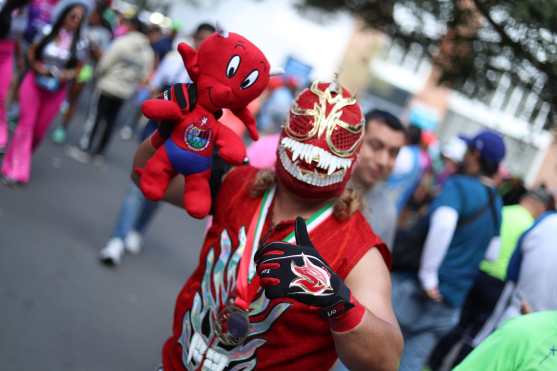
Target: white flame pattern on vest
(222, 273)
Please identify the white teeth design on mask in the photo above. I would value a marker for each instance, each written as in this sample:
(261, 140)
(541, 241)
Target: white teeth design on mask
(295, 155)
(335, 166)
(309, 154)
(328, 163)
(332, 167)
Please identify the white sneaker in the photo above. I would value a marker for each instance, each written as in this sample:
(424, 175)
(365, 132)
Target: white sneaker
(133, 242)
(126, 133)
(78, 155)
(113, 252)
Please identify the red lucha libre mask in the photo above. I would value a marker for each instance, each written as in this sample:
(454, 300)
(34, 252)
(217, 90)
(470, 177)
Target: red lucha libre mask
(320, 141)
(229, 72)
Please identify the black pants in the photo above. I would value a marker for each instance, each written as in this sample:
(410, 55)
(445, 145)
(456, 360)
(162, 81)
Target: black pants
(477, 308)
(107, 112)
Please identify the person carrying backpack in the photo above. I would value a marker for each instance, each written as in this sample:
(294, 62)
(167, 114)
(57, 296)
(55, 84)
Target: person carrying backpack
(463, 221)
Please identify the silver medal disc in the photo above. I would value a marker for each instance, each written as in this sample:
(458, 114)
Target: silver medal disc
(232, 325)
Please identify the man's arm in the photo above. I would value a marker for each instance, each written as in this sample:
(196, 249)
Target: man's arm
(376, 343)
(366, 333)
(439, 236)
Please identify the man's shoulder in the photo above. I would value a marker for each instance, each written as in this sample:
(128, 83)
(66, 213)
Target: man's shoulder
(360, 234)
(239, 176)
(548, 219)
(462, 179)
(544, 228)
(380, 201)
(234, 196)
(464, 188)
(531, 328)
(517, 214)
(238, 182)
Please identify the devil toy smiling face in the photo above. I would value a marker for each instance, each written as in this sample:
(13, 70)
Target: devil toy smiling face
(320, 141)
(229, 70)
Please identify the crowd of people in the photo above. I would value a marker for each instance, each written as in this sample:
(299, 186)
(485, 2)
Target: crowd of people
(55, 50)
(468, 246)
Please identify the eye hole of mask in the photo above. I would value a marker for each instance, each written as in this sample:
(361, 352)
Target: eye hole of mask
(300, 125)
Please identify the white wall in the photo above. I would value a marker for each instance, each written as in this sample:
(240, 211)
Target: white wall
(277, 28)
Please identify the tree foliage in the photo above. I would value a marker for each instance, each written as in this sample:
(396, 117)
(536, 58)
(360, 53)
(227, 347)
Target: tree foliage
(474, 42)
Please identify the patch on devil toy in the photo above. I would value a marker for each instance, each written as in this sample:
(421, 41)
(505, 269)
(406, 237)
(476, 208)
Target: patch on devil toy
(196, 138)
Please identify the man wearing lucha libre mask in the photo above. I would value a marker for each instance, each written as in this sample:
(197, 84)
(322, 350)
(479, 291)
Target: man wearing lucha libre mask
(290, 273)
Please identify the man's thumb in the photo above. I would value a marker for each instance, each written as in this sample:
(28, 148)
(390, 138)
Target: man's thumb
(301, 232)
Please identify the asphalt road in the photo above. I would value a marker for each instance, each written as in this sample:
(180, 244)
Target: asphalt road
(60, 309)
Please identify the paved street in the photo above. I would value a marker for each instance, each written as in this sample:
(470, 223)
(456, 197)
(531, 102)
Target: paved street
(60, 309)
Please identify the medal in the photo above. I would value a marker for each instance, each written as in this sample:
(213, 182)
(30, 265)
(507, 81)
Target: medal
(232, 322)
(232, 325)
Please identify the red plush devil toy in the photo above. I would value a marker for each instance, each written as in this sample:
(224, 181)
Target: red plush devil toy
(228, 72)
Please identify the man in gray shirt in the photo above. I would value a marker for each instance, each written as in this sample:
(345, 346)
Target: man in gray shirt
(531, 275)
(384, 137)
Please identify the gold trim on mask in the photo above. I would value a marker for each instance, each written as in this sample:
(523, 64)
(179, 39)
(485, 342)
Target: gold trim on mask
(327, 123)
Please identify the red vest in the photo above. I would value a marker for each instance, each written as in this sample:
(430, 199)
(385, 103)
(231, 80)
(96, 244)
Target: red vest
(284, 334)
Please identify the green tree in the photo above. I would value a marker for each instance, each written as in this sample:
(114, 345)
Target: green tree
(473, 42)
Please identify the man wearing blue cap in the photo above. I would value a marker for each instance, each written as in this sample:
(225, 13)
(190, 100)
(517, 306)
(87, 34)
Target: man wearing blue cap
(464, 223)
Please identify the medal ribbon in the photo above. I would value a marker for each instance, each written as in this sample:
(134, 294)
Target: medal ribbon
(247, 283)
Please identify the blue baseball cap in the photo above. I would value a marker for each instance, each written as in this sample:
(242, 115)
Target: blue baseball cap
(489, 143)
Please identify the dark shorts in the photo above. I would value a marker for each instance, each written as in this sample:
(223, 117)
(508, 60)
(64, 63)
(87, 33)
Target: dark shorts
(186, 162)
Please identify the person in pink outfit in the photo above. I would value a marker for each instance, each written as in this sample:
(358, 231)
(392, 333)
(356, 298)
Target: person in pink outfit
(54, 61)
(8, 41)
(263, 153)
(273, 113)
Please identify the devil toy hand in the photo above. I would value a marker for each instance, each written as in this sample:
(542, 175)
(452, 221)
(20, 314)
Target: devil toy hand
(180, 94)
(299, 272)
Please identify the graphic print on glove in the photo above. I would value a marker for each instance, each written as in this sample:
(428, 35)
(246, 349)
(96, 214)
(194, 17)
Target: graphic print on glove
(312, 279)
(228, 72)
(299, 272)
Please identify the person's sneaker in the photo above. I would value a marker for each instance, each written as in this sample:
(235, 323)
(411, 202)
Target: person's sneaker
(59, 135)
(78, 155)
(11, 183)
(112, 253)
(64, 107)
(126, 133)
(6, 181)
(133, 242)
